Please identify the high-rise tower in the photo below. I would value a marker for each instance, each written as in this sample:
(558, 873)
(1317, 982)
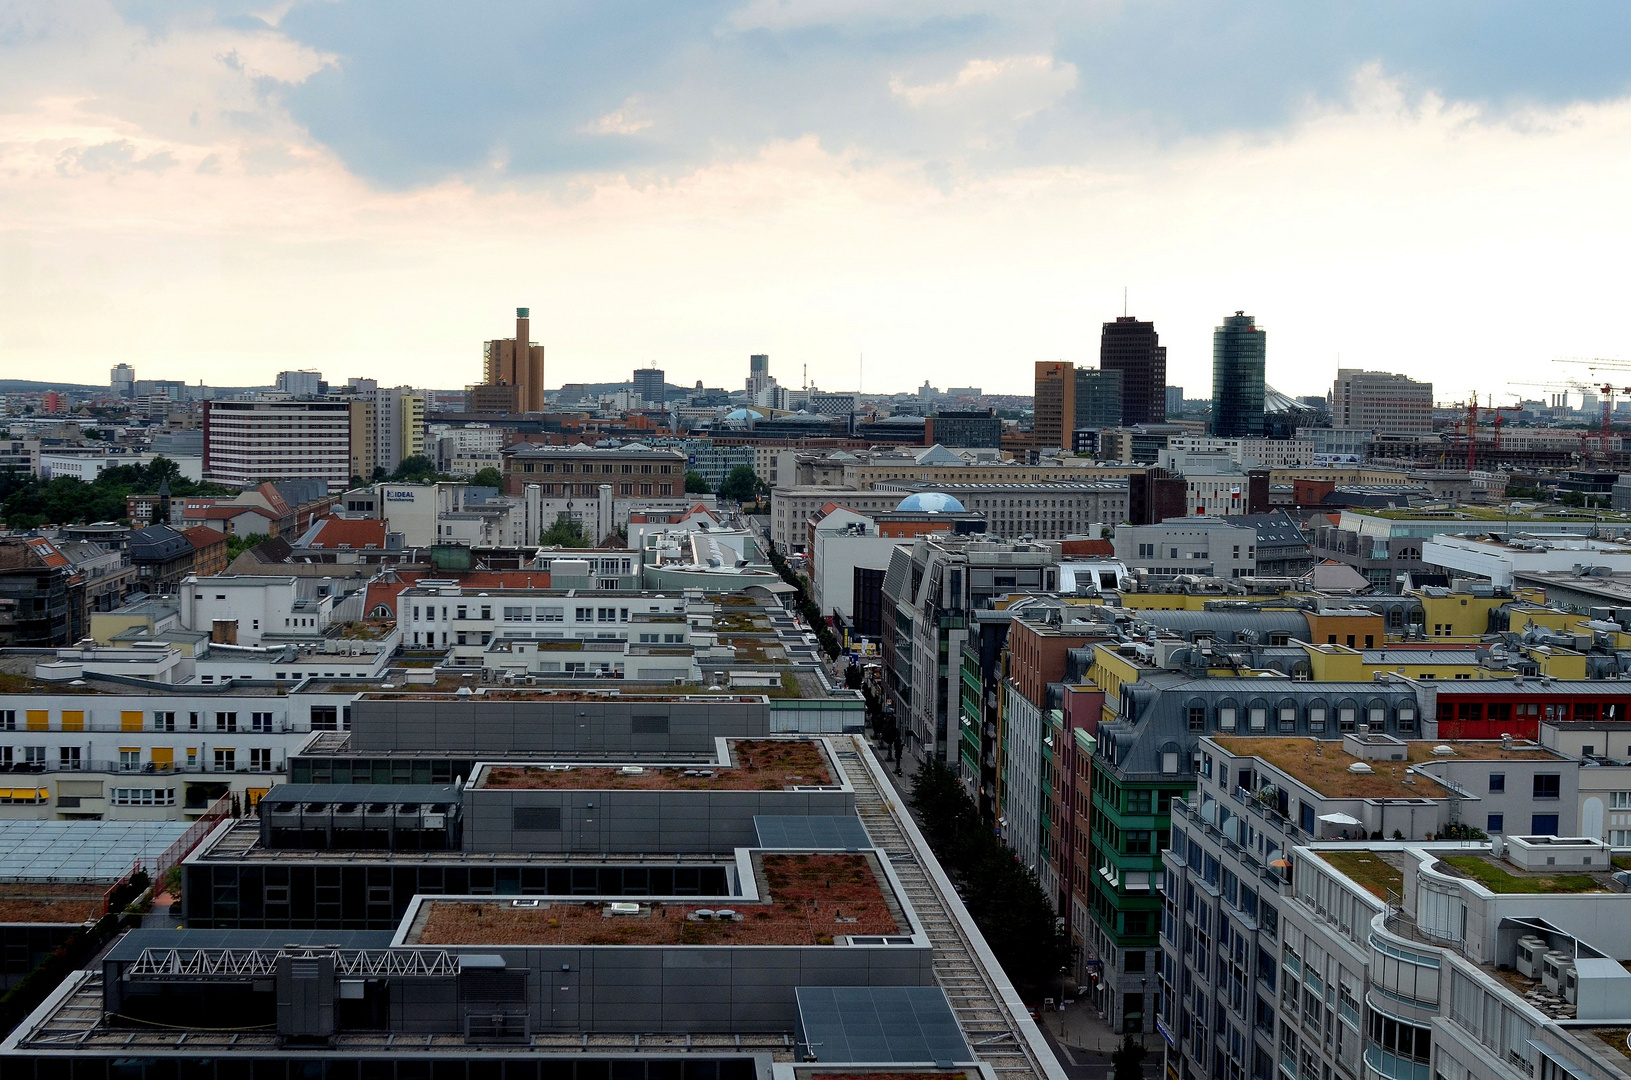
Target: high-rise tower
(1239, 357)
(517, 362)
(1134, 349)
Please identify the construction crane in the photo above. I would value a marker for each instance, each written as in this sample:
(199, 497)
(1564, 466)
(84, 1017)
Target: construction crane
(1471, 424)
(1607, 392)
(1594, 365)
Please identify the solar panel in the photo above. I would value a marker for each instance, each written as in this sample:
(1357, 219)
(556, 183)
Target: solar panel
(76, 851)
(842, 832)
(880, 1024)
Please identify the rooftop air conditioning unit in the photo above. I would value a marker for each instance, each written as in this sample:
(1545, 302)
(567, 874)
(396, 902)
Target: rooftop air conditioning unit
(1552, 966)
(1530, 950)
(1571, 985)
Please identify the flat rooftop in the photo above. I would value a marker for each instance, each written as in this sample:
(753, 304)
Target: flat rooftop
(757, 765)
(1326, 772)
(1500, 876)
(34, 903)
(805, 899)
(446, 689)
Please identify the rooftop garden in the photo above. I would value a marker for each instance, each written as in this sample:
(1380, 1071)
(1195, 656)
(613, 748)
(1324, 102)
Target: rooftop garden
(761, 765)
(1496, 878)
(1368, 869)
(1326, 771)
(366, 630)
(810, 900)
(29, 903)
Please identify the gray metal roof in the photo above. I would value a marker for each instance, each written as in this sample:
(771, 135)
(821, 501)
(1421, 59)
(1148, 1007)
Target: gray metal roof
(882, 1024)
(363, 793)
(73, 851)
(1229, 622)
(130, 946)
(811, 832)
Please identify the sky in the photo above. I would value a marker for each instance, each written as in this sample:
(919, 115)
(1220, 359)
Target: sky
(874, 192)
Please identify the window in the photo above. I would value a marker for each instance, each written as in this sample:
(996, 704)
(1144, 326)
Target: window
(1197, 720)
(164, 721)
(1496, 823)
(8, 719)
(1407, 718)
(1543, 824)
(1226, 718)
(551, 614)
(260, 759)
(226, 721)
(130, 759)
(68, 758)
(1497, 781)
(261, 721)
(1346, 718)
(1288, 718)
(1316, 718)
(226, 760)
(1258, 718)
(1548, 785)
(144, 796)
(1621, 800)
(325, 718)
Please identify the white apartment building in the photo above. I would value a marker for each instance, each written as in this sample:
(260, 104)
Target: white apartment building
(245, 609)
(1381, 403)
(399, 425)
(107, 749)
(1249, 453)
(466, 449)
(446, 616)
(845, 541)
(246, 442)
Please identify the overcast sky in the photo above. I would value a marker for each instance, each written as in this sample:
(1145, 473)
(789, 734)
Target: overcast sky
(954, 189)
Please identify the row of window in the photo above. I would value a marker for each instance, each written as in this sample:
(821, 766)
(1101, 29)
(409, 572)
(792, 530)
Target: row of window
(160, 759)
(74, 720)
(1229, 716)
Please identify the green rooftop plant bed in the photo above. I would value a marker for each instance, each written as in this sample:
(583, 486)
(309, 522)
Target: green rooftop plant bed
(1368, 869)
(1495, 879)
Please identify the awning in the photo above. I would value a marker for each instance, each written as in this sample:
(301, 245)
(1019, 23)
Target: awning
(1340, 819)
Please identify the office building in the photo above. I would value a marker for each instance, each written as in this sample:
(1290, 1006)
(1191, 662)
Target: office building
(929, 590)
(123, 381)
(1053, 405)
(1134, 351)
(633, 470)
(1100, 399)
(1239, 357)
(512, 372)
(246, 442)
(964, 428)
(1175, 400)
(300, 384)
(1381, 403)
(759, 378)
(668, 893)
(650, 386)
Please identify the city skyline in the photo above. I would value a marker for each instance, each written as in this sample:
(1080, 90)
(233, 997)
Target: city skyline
(954, 194)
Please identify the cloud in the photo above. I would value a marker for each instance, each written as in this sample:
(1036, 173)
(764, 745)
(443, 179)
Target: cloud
(1024, 84)
(115, 158)
(621, 121)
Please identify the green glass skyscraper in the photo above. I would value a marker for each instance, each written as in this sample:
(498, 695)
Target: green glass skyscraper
(1238, 363)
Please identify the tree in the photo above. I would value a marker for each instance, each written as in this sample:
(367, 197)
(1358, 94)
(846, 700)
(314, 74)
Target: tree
(488, 477)
(414, 469)
(237, 545)
(566, 532)
(742, 484)
(697, 484)
(29, 502)
(1128, 1061)
(1005, 899)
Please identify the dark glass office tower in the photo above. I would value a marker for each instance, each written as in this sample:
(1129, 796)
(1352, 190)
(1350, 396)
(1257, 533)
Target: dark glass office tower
(1238, 361)
(1133, 349)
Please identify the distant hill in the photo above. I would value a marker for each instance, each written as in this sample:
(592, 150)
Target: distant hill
(25, 386)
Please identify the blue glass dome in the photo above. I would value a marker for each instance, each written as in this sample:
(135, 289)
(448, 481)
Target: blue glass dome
(931, 502)
(744, 415)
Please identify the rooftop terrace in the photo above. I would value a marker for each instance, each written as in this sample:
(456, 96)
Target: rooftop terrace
(807, 900)
(1323, 767)
(759, 765)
